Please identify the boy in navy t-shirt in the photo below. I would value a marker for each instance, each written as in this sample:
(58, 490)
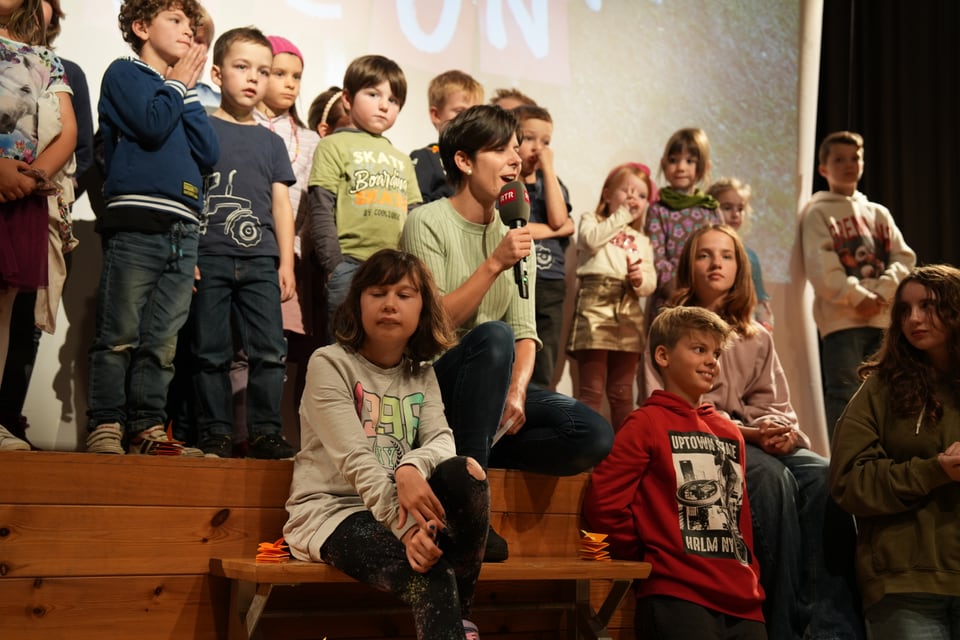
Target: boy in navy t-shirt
(246, 256)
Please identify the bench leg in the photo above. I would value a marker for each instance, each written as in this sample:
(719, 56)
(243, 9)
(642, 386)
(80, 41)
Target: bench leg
(247, 601)
(593, 625)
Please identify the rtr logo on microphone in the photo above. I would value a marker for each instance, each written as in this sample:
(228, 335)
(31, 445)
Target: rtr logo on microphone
(508, 196)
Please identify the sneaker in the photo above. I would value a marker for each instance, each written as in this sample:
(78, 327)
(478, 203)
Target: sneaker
(270, 446)
(470, 631)
(156, 442)
(106, 438)
(10, 442)
(496, 549)
(216, 445)
(17, 425)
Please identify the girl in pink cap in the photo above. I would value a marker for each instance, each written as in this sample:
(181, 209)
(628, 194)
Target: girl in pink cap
(278, 112)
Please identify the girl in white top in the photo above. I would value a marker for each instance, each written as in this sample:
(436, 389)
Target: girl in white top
(377, 489)
(278, 112)
(615, 267)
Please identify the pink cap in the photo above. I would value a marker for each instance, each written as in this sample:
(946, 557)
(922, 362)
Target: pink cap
(282, 45)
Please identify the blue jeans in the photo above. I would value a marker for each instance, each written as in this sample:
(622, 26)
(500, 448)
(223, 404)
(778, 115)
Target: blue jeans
(789, 504)
(561, 436)
(251, 288)
(549, 312)
(142, 302)
(337, 288)
(474, 377)
(840, 355)
(918, 616)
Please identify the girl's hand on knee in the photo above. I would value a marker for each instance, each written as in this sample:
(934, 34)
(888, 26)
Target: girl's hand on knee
(421, 546)
(416, 497)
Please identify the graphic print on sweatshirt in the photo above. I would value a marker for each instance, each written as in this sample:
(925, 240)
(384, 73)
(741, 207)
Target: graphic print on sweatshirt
(378, 185)
(710, 494)
(231, 214)
(626, 242)
(864, 252)
(390, 422)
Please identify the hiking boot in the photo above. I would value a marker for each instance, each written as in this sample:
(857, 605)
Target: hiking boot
(156, 442)
(10, 442)
(216, 445)
(496, 549)
(106, 438)
(270, 446)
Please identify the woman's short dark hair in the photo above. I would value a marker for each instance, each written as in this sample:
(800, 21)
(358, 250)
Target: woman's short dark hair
(479, 128)
(434, 333)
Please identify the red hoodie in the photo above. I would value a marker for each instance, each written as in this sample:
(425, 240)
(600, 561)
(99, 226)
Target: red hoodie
(672, 492)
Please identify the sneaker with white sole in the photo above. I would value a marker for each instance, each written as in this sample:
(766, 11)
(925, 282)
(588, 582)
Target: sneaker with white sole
(156, 442)
(10, 442)
(470, 631)
(106, 438)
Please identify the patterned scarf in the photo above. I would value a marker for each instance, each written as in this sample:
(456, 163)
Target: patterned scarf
(677, 201)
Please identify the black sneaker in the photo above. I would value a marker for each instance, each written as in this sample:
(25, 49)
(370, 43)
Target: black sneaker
(270, 446)
(496, 549)
(216, 445)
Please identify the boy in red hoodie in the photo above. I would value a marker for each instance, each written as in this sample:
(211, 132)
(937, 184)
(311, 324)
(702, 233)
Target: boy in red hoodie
(672, 492)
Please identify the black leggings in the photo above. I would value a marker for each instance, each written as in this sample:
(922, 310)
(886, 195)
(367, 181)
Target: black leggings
(368, 551)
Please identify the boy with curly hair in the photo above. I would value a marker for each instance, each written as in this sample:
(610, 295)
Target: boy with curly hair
(157, 145)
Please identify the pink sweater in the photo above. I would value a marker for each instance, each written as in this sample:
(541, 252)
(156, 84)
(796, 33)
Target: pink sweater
(751, 384)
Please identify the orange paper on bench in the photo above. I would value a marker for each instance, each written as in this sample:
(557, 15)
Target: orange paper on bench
(593, 547)
(273, 551)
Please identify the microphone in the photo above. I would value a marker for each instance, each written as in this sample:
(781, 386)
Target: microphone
(514, 205)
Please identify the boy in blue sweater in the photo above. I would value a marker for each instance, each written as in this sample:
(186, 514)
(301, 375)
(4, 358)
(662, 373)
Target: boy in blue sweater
(246, 256)
(157, 145)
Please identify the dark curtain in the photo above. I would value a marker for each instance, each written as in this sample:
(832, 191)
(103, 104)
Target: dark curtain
(890, 70)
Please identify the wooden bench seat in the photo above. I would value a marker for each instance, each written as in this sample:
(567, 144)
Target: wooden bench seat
(539, 516)
(252, 584)
(121, 546)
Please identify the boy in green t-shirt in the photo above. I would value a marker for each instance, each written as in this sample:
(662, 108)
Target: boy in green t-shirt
(361, 186)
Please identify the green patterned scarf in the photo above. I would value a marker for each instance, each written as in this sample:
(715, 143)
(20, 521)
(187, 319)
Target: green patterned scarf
(677, 201)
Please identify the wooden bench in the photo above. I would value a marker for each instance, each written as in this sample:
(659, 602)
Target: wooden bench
(121, 546)
(547, 552)
(253, 582)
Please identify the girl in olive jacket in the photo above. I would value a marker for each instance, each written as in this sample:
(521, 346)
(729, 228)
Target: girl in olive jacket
(895, 463)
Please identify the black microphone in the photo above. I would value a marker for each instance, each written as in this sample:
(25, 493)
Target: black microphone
(514, 204)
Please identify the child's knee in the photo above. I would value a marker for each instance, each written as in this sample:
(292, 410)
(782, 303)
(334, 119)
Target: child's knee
(475, 470)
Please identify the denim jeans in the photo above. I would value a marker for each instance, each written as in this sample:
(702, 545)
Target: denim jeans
(841, 353)
(549, 313)
(918, 616)
(370, 552)
(789, 504)
(337, 287)
(142, 302)
(561, 436)
(474, 377)
(251, 288)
